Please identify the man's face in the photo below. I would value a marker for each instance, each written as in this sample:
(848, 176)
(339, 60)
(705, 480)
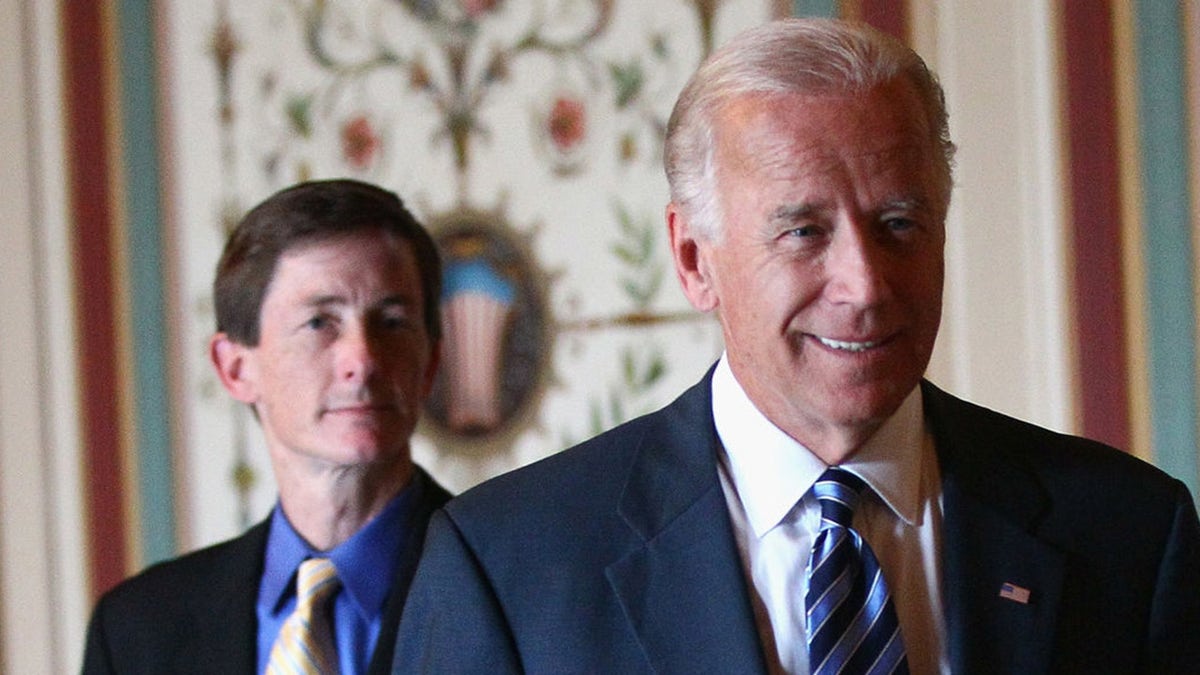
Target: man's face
(827, 278)
(344, 363)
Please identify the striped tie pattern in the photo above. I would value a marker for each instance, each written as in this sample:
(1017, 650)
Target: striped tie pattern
(851, 621)
(305, 643)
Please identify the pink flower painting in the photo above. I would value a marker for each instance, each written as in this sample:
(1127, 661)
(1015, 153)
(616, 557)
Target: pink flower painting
(567, 123)
(360, 143)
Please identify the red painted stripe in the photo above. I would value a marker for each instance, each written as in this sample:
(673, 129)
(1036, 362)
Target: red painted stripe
(88, 161)
(1095, 212)
(889, 16)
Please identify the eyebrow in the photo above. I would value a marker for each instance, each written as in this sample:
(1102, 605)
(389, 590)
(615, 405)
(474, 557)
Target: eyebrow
(904, 204)
(794, 211)
(334, 299)
(324, 300)
(803, 210)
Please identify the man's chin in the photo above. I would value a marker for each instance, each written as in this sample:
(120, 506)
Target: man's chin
(866, 405)
(370, 448)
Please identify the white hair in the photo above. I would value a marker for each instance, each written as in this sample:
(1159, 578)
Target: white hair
(788, 56)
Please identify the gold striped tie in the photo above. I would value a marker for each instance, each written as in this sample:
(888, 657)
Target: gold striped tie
(305, 643)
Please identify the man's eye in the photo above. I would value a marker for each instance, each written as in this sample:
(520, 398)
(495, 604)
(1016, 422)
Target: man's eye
(316, 323)
(393, 320)
(805, 231)
(900, 224)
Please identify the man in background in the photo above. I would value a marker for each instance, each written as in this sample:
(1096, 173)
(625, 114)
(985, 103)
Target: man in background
(328, 327)
(813, 505)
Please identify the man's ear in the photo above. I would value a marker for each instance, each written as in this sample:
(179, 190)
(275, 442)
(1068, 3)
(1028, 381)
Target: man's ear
(691, 260)
(234, 363)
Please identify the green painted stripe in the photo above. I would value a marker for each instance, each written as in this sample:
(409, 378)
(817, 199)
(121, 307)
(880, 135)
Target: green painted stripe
(826, 8)
(143, 239)
(1162, 110)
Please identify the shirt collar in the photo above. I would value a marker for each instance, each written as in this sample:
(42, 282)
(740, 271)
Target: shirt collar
(358, 560)
(771, 471)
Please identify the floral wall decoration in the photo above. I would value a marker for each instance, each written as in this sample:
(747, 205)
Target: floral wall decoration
(527, 135)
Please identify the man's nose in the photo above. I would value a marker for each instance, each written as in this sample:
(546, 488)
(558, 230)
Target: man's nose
(855, 267)
(357, 352)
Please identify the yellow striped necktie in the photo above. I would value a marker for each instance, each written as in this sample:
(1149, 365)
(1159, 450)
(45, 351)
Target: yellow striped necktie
(305, 643)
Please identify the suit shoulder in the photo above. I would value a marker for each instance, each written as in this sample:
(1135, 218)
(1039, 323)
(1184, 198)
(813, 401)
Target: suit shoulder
(590, 466)
(969, 435)
(585, 482)
(155, 589)
(194, 613)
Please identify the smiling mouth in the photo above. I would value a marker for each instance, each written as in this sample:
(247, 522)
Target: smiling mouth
(847, 346)
(360, 408)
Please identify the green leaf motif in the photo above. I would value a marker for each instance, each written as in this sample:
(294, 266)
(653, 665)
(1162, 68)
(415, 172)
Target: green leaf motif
(658, 45)
(628, 368)
(658, 368)
(635, 292)
(626, 254)
(596, 416)
(299, 114)
(627, 81)
(616, 409)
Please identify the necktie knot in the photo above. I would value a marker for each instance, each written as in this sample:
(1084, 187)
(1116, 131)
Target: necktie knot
(837, 491)
(851, 621)
(305, 642)
(316, 579)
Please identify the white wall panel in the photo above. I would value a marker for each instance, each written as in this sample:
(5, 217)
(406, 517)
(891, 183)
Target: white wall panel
(42, 592)
(1005, 332)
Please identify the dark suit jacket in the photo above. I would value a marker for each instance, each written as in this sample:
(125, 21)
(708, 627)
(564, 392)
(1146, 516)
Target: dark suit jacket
(617, 556)
(195, 614)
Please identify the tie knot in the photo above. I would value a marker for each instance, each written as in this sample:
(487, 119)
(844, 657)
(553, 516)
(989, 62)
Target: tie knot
(837, 491)
(315, 579)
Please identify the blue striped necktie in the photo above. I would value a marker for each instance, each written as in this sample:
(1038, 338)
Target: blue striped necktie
(851, 621)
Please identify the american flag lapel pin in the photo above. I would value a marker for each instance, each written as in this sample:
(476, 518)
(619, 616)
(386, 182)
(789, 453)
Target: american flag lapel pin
(1011, 591)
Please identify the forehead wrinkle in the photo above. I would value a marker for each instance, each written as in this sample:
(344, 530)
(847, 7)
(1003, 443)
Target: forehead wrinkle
(749, 140)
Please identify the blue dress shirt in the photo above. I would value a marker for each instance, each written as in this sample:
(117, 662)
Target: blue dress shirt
(365, 563)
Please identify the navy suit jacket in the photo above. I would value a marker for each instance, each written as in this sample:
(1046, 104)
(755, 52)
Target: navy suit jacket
(617, 556)
(196, 613)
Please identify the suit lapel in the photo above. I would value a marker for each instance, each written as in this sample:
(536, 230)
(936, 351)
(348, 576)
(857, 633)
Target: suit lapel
(683, 591)
(687, 599)
(992, 506)
(433, 496)
(224, 614)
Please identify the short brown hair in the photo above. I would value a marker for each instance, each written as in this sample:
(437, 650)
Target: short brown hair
(309, 213)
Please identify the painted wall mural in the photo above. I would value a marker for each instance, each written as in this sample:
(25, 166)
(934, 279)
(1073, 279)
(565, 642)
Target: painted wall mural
(527, 136)
(177, 116)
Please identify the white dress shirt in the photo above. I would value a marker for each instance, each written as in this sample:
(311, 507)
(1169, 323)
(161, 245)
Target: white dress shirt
(767, 476)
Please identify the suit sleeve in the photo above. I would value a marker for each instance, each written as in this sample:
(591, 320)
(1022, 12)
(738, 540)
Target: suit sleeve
(96, 658)
(1173, 646)
(453, 621)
